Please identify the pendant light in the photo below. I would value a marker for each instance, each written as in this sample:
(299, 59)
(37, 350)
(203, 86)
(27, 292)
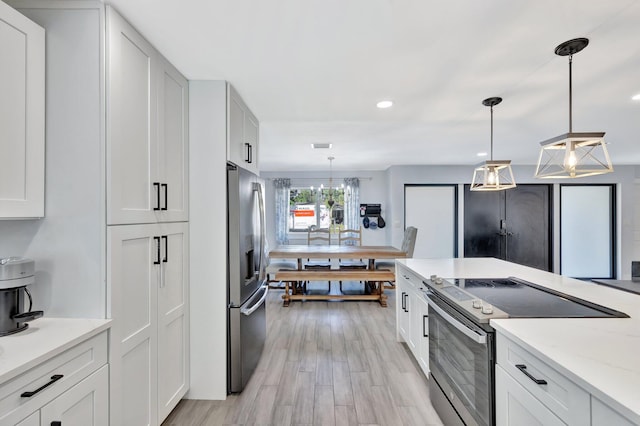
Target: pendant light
(492, 175)
(330, 201)
(573, 154)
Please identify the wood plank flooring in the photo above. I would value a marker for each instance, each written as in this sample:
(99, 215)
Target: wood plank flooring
(325, 363)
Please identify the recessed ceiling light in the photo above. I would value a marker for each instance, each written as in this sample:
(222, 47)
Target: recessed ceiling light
(384, 104)
(636, 97)
(321, 145)
(481, 154)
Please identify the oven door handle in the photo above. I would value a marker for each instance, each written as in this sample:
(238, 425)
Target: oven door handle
(480, 339)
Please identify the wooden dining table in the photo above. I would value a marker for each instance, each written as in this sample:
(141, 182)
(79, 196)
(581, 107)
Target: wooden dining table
(374, 279)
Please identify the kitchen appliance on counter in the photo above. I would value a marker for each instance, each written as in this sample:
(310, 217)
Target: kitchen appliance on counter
(246, 276)
(16, 273)
(462, 343)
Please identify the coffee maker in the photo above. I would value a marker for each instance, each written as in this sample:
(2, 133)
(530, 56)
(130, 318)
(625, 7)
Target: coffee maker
(16, 273)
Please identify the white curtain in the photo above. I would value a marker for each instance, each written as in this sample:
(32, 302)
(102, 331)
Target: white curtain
(282, 186)
(351, 203)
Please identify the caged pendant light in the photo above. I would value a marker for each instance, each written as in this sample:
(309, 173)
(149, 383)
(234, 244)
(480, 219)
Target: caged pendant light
(492, 175)
(573, 154)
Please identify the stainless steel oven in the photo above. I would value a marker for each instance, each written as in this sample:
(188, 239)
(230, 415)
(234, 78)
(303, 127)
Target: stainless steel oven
(461, 359)
(462, 343)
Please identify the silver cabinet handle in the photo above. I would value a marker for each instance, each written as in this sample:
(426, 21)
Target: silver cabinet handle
(481, 339)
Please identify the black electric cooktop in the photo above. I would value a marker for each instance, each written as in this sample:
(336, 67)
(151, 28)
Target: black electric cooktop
(522, 299)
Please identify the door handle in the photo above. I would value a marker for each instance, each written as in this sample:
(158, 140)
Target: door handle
(157, 186)
(54, 379)
(523, 369)
(157, 240)
(424, 326)
(247, 157)
(165, 186)
(165, 259)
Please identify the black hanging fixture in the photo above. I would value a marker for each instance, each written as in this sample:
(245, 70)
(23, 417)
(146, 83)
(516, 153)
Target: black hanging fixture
(331, 201)
(573, 154)
(492, 175)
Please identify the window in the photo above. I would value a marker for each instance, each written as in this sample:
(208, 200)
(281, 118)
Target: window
(310, 207)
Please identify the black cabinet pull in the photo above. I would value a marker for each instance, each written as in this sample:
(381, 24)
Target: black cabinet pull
(424, 326)
(157, 186)
(403, 308)
(165, 186)
(247, 147)
(250, 153)
(54, 379)
(523, 368)
(157, 240)
(166, 249)
(56, 423)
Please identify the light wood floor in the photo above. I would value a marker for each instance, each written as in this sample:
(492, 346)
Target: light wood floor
(324, 363)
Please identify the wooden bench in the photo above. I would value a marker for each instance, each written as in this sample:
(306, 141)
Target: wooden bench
(374, 279)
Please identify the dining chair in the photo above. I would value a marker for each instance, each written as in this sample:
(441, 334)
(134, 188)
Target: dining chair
(408, 245)
(350, 237)
(273, 266)
(318, 236)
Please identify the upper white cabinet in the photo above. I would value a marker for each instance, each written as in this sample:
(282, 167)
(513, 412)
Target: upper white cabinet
(147, 131)
(22, 85)
(242, 134)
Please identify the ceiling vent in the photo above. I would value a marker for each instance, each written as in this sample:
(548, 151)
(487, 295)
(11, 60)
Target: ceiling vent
(321, 145)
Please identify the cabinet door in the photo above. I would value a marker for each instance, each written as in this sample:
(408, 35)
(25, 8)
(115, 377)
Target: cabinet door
(133, 186)
(516, 406)
(133, 259)
(403, 299)
(85, 404)
(173, 318)
(22, 85)
(242, 138)
(173, 143)
(420, 328)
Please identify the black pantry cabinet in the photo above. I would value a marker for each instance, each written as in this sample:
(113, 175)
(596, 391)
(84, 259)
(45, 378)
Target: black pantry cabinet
(513, 225)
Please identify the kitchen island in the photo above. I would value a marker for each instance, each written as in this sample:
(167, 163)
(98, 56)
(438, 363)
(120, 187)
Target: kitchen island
(600, 356)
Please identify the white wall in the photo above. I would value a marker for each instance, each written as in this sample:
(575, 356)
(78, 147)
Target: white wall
(373, 190)
(623, 176)
(208, 247)
(68, 244)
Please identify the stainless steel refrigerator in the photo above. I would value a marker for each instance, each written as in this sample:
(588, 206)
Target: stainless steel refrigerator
(246, 283)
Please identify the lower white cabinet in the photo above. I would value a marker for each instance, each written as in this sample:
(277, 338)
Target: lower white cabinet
(85, 404)
(71, 388)
(412, 315)
(517, 406)
(150, 333)
(531, 392)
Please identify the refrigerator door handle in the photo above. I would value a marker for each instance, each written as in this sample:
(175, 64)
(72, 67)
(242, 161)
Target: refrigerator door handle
(248, 311)
(257, 187)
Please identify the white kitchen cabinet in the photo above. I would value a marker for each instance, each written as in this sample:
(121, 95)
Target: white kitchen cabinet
(147, 131)
(243, 133)
(420, 329)
(173, 143)
(71, 387)
(149, 305)
(85, 404)
(529, 391)
(22, 115)
(412, 315)
(517, 406)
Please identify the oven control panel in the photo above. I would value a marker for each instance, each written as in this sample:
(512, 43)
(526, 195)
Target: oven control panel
(479, 309)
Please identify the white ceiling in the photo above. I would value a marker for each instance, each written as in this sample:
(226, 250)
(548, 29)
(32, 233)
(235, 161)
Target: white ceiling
(313, 70)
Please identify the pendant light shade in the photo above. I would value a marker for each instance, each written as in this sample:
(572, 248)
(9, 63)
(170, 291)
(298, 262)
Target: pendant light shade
(330, 201)
(573, 154)
(492, 175)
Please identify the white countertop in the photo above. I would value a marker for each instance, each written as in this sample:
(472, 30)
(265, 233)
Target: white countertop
(45, 338)
(600, 355)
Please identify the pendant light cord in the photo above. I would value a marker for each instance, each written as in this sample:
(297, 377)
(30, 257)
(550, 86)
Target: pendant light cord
(570, 95)
(491, 132)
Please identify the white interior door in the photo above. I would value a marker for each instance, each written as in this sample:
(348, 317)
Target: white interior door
(586, 231)
(432, 209)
